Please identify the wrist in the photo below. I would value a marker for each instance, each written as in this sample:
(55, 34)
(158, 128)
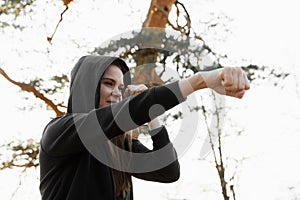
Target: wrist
(192, 84)
(201, 80)
(211, 78)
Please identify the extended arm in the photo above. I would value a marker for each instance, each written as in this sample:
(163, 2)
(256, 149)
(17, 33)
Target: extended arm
(230, 81)
(72, 132)
(62, 136)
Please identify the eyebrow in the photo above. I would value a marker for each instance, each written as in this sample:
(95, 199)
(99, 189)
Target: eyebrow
(112, 80)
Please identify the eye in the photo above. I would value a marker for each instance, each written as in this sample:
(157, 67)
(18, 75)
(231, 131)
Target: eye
(109, 83)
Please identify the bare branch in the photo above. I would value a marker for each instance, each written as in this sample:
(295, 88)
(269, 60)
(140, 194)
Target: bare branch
(185, 29)
(66, 3)
(218, 154)
(30, 88)
(49, 39)
(204, 112)
(20, 183)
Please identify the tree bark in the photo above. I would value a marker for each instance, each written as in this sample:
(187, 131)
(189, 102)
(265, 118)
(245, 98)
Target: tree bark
(158, 13)
(157, 17)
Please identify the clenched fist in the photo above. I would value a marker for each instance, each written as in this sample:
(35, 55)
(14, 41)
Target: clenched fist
(134, 89)
(230, 81)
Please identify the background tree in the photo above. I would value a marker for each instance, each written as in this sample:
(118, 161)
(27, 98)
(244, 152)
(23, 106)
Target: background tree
(14, 8)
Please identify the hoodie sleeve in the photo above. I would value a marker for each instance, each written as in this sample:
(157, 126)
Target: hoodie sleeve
(166, 174)
(138, 109)
(67, 134)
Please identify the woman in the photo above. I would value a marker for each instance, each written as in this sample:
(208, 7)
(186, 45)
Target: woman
(80, 156)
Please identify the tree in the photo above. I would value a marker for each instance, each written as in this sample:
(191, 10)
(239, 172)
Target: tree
(215, 139)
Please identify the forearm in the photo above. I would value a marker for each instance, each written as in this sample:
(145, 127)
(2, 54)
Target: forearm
(138, 109)
(230, 81)
(195, 82)
(165, 164)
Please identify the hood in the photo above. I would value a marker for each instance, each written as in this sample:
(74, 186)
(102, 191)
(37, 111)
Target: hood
(85, 81)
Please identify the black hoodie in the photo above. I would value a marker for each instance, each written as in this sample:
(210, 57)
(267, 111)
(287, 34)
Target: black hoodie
(71, 145)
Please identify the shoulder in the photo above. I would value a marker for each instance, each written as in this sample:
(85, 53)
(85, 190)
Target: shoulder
(63, 121)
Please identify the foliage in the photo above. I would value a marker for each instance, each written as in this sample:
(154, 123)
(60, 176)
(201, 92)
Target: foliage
(21, 154)
(159, 46)
(14, 8)
(187, 54)
(58, 83)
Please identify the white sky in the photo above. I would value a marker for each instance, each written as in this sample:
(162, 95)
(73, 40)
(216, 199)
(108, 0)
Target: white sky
(263, 32)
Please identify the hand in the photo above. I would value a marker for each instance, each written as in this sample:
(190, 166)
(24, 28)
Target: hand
(134, 89)
(230, 81)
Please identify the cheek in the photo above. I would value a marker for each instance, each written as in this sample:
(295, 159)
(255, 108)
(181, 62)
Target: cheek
(104, 92)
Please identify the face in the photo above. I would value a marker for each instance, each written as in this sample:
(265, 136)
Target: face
(112, 86)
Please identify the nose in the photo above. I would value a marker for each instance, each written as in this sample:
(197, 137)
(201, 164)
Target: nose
(116, 92)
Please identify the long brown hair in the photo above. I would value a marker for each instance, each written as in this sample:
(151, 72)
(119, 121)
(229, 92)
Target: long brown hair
(122, 180)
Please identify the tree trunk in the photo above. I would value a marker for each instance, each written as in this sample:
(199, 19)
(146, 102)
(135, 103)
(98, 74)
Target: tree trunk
(145, 73)
(157, 17)
(158, 13)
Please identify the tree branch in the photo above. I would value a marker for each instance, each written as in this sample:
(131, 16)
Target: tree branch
(185, 29)
(49, 39)
(30, 88)
(218, 156)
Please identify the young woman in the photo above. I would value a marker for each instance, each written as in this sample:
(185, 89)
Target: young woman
(89, 153)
